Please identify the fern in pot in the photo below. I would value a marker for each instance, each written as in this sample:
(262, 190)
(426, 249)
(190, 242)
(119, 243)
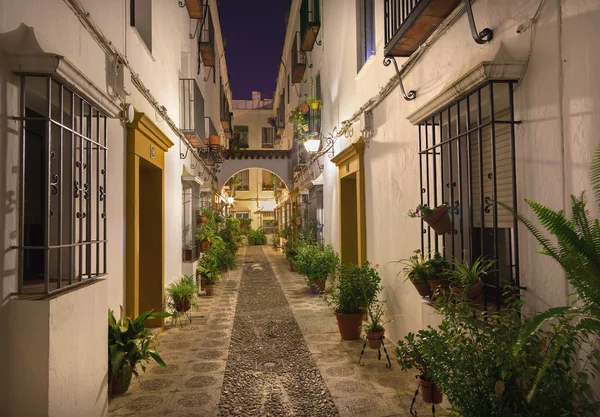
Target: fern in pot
(182, 295)
(374, 329)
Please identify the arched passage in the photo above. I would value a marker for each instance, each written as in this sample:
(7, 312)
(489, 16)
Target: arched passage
(280, 167)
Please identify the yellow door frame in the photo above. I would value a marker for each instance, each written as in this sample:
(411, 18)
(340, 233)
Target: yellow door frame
(350, 163)
(145, 141)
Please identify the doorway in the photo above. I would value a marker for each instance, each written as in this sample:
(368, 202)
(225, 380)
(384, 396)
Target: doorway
(349, 219)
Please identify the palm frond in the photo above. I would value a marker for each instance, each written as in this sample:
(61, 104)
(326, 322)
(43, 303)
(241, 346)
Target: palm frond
(595, 175)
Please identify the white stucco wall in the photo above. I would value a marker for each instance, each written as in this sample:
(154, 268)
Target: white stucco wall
(555, 101)
(173, 55)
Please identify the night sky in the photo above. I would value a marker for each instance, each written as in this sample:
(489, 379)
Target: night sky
(255, 31)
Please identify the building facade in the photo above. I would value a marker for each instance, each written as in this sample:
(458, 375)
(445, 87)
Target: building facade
(497, 107)
(105, 109)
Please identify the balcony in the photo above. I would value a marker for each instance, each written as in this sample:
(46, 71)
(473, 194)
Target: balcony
(191, 110)
(408, 23)
(298, 61)
(206, 42)
(194, 8)
(225, 115)
(310, 23)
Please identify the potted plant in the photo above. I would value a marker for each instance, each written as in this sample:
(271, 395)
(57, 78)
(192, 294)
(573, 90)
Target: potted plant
(245, 223)
(271, 121)
(316, 263)
(374, 329)
(181, 295)
(438, 269)
(314, 102)
(410, 355)
(296, 218)
(202, 215)
(465, 278)
(214, 140)
(291, 253)
(438, 218)
(354, 288)
(299, 121)
(417, 271)
(130, 344)
(209, 270)
(205, 235)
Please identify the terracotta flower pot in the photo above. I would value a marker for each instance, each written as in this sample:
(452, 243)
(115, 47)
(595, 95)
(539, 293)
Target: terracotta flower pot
(119, 384)
(423, 289)
(318, 286)
(244, 226)
(209, 289)
(439, 220)
(429, 392)
(293, 267)
(473, 292)
(201, 219)
(434, 284)
(298, 221)
(204, 245)
(202, 283)
(375, 339)
(182, 306)
(304, 108)
(224, 269)
(349, 325)
(214, 140)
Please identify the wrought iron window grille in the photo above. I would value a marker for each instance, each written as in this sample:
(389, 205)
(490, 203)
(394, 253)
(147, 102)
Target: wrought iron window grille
(62, 187)
(467, 161)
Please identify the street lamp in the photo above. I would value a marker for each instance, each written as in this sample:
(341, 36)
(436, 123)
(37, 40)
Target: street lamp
(312, 145)
(230, 201)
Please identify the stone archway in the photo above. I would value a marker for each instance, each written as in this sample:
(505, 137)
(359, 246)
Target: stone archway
(280, 167)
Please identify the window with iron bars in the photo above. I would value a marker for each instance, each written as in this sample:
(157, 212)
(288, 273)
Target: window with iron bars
(244, 177)
(467, 161)
(62, 187)
(191, 209)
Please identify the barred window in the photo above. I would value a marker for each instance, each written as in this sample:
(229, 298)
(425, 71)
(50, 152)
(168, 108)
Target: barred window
(467, 161)
(242, 133)
(62, 187)
(242, 214)
(192, 202)
(267, 137)
(267, 180)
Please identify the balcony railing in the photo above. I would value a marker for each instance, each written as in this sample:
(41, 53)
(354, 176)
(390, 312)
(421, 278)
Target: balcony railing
(191, 105)
(310, 23)
(298, 61)
(206, 41)
(408, 23)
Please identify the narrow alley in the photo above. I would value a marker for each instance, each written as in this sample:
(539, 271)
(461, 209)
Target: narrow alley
(263, 345)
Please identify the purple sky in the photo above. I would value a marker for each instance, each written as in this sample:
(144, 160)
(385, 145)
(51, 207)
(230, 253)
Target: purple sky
(255, 32)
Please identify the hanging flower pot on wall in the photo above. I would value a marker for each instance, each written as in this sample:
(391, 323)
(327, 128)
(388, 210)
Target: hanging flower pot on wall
(304, 108)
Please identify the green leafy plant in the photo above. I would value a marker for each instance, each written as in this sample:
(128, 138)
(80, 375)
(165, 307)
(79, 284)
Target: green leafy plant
(316, 262)
(375, 313)
(422, 210)
(354, 288)
(313, 102)
(206, 232)
(290, 251)
(246, 221)
(276, 237)
(416, 267)
(182, 295)
(297, 119)
(208, 268)
(469, 357)
(256, 237)
(466, 273)
(439, 266)
(131, 344)
(222, 254)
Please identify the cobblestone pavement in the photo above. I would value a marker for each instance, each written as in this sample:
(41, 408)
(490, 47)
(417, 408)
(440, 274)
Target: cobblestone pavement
(285, 358)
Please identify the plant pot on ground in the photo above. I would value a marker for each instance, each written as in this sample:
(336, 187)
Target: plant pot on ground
(130, 344)
(438, 218)
(429, 391)
(465, 278)
(209, 270)
(353, 288)
(316, 263)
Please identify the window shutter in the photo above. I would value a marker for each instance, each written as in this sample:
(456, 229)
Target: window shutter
(504, 177)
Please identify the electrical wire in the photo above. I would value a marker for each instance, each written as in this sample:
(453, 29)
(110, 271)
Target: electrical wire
(107, 46)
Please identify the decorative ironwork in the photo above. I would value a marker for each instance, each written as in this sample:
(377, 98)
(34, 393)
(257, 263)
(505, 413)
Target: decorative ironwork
(486, 35)
(459, 146)
(257, 154)
(412, 94)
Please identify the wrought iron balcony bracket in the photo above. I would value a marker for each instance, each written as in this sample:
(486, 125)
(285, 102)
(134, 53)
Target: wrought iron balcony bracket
(412, 94)
(486, 35)
(181, 3)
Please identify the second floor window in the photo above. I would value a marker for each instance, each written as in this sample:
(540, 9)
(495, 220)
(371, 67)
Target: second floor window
(365, 29)
(241, 132)
(141, 18)
(267, 137)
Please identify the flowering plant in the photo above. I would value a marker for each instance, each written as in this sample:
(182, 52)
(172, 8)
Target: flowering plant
(422, 210)
(271, 120)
